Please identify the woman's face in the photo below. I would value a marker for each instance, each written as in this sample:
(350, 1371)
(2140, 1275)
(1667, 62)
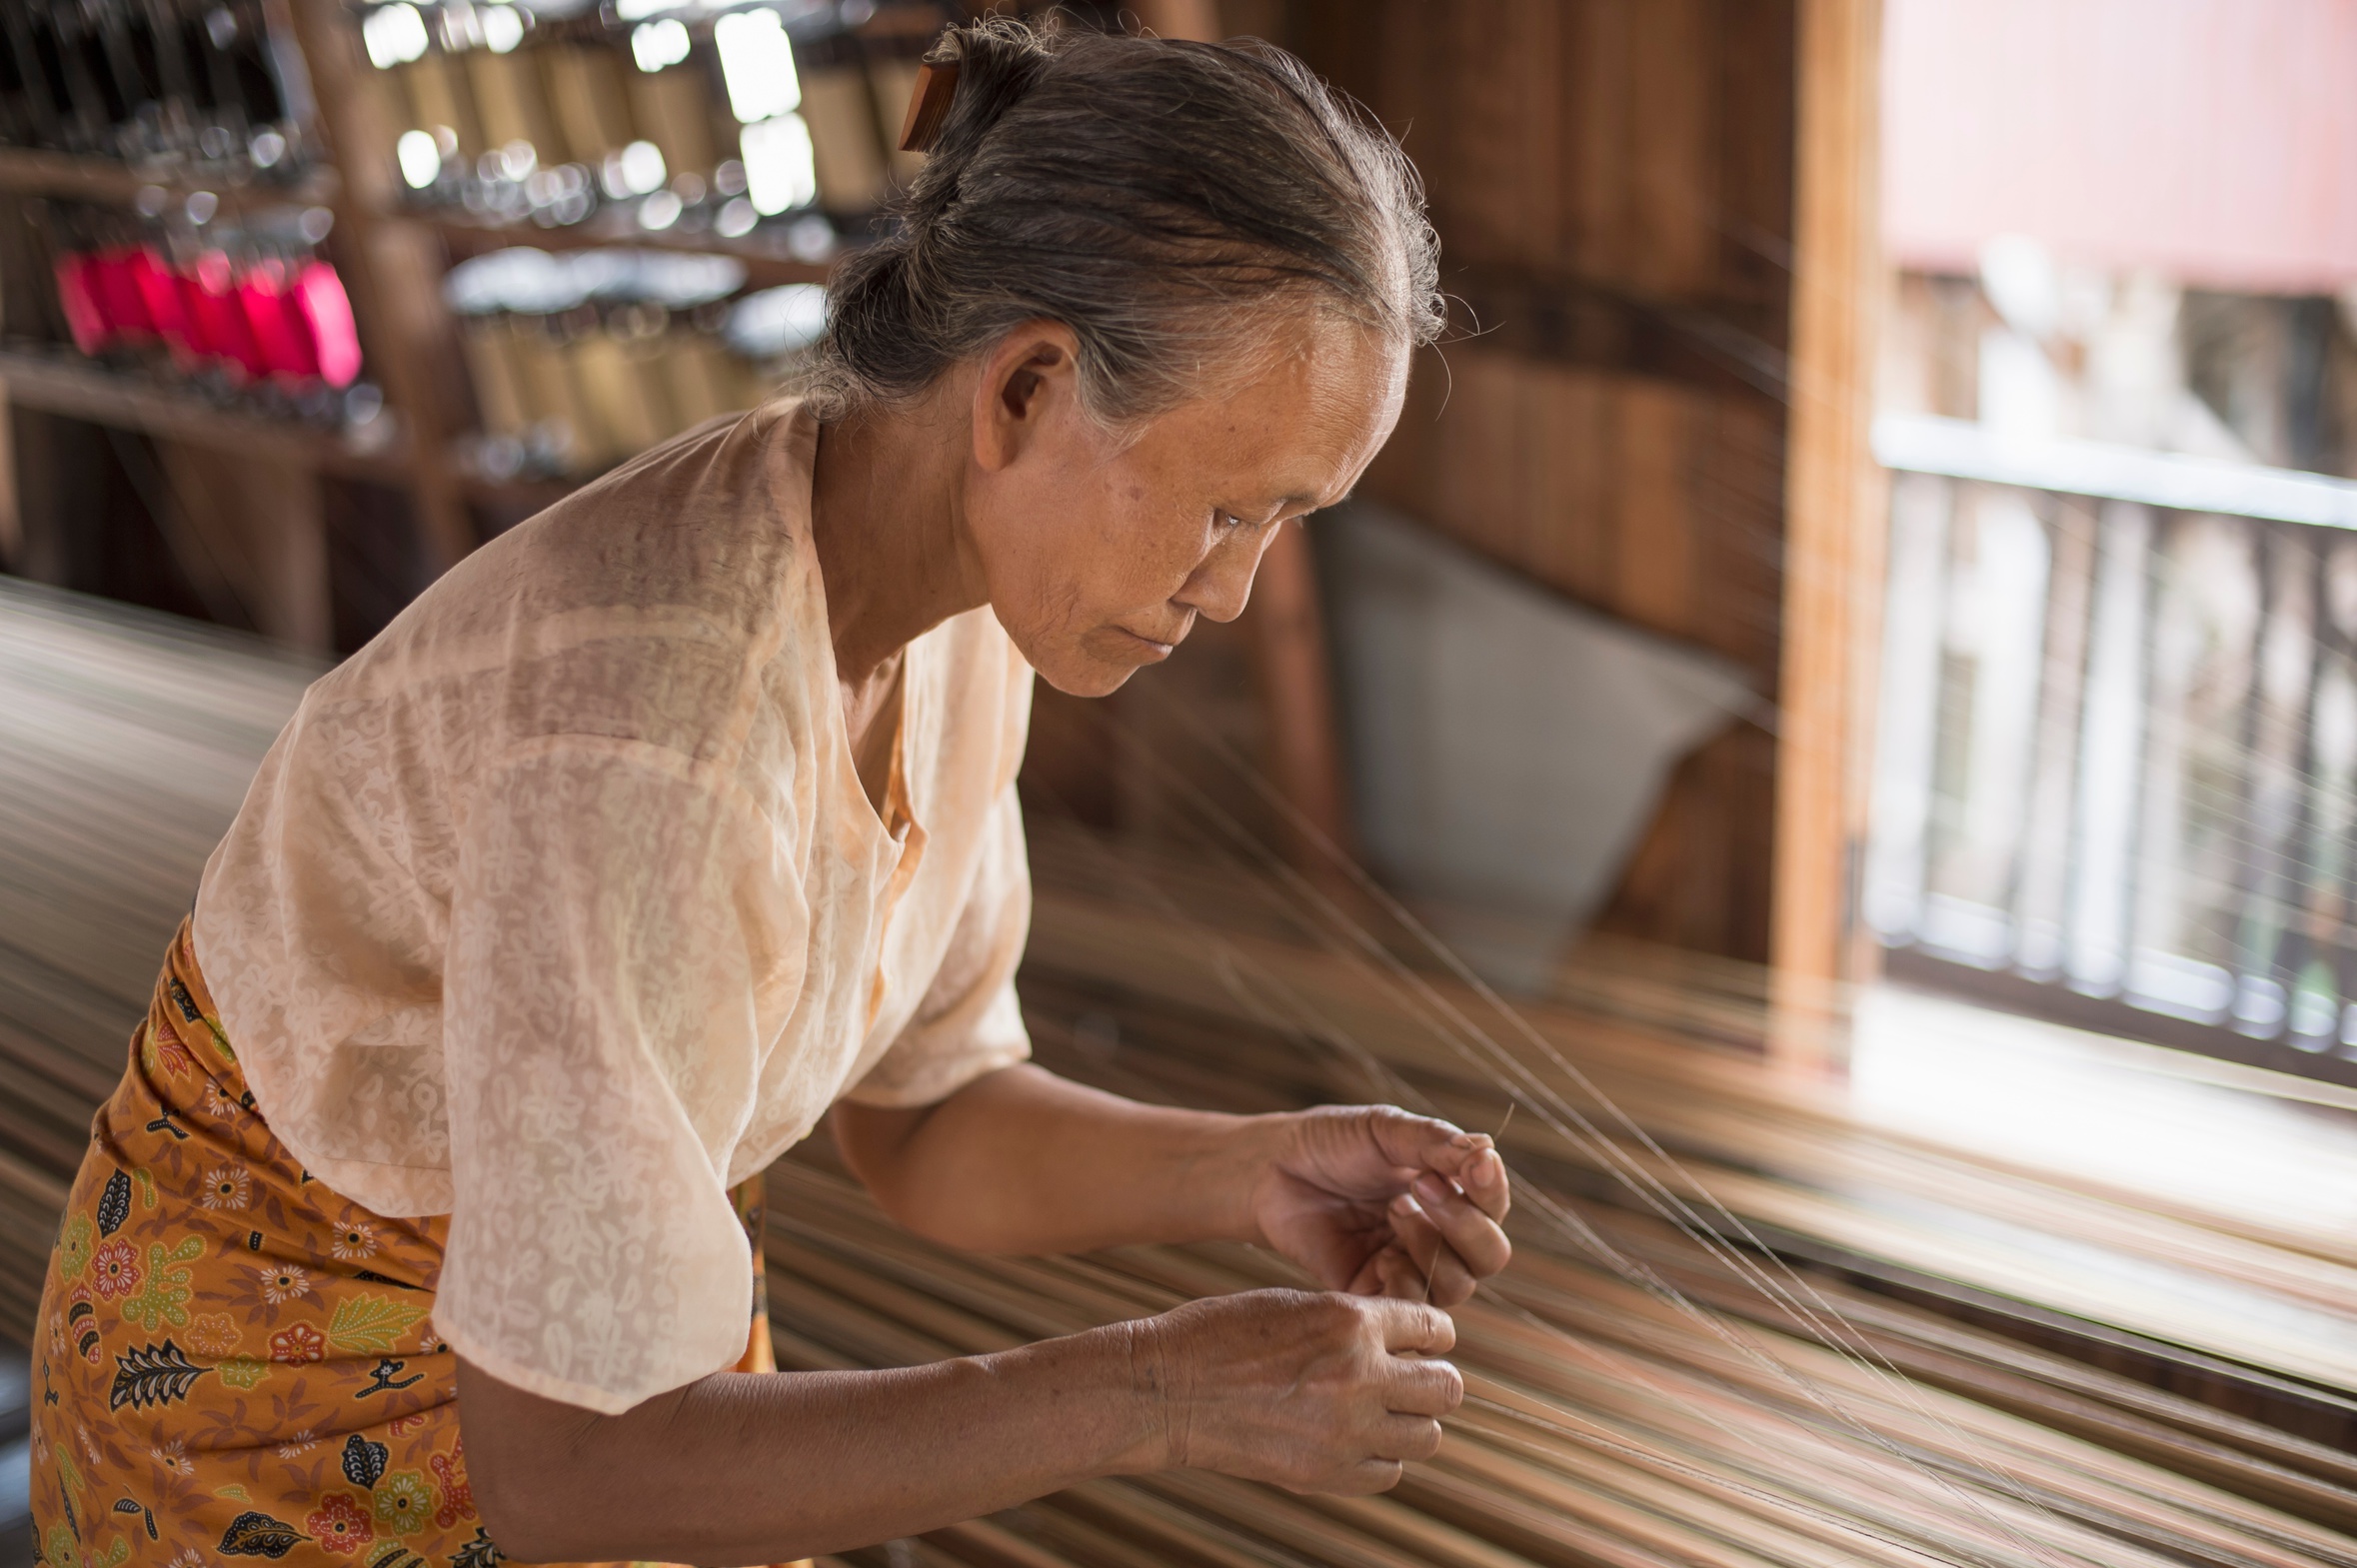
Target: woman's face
(1099, 555)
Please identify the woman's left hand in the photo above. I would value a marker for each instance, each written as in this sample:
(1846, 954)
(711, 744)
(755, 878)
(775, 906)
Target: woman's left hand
(1373, 1200)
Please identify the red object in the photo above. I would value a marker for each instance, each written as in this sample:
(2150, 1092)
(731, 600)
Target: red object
(216, 319)
(76, 297)
(117, 292)
(326, 311)
(282, 337)
(167, 311)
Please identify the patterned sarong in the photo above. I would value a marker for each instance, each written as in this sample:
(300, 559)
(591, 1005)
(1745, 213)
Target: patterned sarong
(234, 1361)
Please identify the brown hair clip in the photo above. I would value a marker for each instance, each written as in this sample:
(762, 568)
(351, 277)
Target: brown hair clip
(929, 105)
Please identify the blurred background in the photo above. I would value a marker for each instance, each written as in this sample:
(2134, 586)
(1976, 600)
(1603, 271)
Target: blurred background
(1876, 545)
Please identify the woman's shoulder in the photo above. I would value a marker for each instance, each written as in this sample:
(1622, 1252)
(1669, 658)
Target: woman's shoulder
(717, 518)
(631, 608)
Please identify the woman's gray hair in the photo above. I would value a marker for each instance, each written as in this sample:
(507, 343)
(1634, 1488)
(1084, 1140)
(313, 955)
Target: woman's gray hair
(1173, 203)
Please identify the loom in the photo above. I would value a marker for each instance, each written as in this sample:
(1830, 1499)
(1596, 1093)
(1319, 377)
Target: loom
(1744, 1327)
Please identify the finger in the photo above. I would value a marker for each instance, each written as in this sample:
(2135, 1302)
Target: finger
(1483, 1180)
(1472, 1235)
(1425, 1388)
(1413, 1329)
(1445, 1278)
(1423, 1142)
(1471, 1160)
(1369, 1476)
(1416, 1233)
(1407, 1438)
(1397, 1276)
(1452, 1285)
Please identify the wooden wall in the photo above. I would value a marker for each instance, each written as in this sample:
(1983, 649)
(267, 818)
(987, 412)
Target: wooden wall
(1613, 181)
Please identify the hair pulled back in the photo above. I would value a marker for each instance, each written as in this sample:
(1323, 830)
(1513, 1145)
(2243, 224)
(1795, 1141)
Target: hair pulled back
(1172, 203)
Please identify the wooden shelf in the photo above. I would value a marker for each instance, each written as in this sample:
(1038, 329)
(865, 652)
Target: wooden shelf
(61, 384)
(765, 266)
(27, 171)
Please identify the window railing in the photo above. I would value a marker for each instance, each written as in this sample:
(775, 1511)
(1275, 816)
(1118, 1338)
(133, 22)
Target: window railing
(2116, 761)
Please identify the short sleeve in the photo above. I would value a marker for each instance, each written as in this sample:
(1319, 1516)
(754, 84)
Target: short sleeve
(968, 1023)
(608, 925)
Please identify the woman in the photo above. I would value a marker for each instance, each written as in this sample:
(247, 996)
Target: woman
(424, 1227)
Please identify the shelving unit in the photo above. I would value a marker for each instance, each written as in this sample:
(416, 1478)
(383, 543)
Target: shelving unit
(393, 250)
(33, 171)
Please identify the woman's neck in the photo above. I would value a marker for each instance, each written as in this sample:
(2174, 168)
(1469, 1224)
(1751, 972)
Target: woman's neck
(885, 521)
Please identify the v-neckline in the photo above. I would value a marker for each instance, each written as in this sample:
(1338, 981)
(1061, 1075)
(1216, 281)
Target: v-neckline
(894, 705)
(896, 815)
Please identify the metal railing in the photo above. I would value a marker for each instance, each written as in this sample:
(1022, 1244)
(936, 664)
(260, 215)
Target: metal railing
(2117, 746)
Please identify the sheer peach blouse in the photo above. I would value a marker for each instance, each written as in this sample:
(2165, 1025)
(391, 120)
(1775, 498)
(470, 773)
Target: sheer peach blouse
(560, 907)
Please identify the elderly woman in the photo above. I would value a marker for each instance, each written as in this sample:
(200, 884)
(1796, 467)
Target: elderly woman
(424, 1227)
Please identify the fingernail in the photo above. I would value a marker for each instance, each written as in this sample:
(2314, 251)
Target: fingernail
(1463, 1140)
(1431, 1188)
(1403, 1205)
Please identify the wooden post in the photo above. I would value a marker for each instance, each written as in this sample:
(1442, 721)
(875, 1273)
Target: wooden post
(1302, 753)
(397, 267)
(1195, 19)
(1303, 749)
(12, 516)
(1832, 526)
(257, 529)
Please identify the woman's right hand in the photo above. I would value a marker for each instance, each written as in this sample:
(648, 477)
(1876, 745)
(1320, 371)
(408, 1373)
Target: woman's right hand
(1313, 1392)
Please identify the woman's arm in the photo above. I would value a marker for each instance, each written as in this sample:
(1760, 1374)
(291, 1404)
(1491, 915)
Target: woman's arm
(1313, 1392)
(1369, 1199)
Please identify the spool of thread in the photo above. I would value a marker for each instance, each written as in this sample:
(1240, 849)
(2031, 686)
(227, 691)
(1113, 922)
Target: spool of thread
(326, 312)
(76, 301)
(282, 337)
(217, 319)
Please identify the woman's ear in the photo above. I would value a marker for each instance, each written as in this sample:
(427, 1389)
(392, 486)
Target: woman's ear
(1031, 379)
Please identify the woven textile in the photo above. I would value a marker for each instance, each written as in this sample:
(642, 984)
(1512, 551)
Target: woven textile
(234, 1360)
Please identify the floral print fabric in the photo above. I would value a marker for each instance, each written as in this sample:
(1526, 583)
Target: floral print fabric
(234, 1361)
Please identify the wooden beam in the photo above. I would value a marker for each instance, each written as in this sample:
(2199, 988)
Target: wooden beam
(1834, 517)
(32, 171)
(59, 382)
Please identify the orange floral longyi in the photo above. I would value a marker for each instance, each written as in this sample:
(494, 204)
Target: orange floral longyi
(232, 1360)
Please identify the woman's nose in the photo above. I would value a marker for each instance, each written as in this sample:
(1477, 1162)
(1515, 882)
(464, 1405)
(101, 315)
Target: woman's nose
(1224, 583)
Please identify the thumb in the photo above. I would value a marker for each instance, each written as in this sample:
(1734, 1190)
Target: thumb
(1425, 1142)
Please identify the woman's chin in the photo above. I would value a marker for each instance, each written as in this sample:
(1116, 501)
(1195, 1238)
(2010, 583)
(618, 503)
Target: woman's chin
(1098, 663)
(1083, 676)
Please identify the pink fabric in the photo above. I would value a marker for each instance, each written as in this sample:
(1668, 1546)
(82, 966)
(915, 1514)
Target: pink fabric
(326, 315)
(116, 283)
(282, 337)
(217, 321)
(77, 298)
(159, 293)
